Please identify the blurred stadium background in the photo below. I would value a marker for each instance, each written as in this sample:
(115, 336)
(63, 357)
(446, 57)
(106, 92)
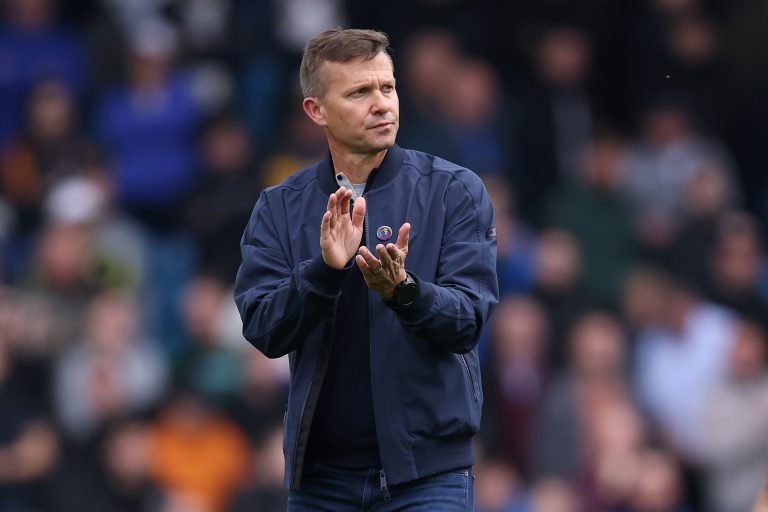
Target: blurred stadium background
(625, 144)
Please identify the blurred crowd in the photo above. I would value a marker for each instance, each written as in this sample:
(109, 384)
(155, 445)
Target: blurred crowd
(624, 145)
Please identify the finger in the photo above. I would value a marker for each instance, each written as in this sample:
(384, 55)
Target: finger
(345, 200)
(394, 252)
(362, 265)
(368, 271)
(339, 196)
(402, 237)
(325, 225)
(331, 210)
(369, 258)
(358, 213)
(384, 256)
(343, 196)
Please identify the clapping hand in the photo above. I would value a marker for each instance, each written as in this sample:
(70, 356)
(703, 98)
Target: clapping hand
(384, 273)
(340, 233)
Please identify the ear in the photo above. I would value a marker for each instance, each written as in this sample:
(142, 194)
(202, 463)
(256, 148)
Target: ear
(314, 109)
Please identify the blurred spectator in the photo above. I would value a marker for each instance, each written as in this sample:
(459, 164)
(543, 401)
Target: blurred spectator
(693, 47)
(198, 456)
(211, 367)
(708, 197)
(113, 370)
(552, 495)
(640, 299)
(205, 27)
(594, 209)
(304, 143)
(34, 48)
(678, 47)
(116, 479)
(736, 424)
(28, 441)
(662, 164)
(614, 434)
(55, 295)
(223, 197)
(63, 259)
(738, 268)
(659, 486)
(263, 394)
(275, 34)
(426, 57)
(597, 368)
(48, 149)
(149, 125)
(265, 491)
(37, 322)
(515, 256)
(497, 487)
(479, 121)
(116, 245)
(679, 357)
(515, 378)
(557, 268)
(556, 119)
(297, 21)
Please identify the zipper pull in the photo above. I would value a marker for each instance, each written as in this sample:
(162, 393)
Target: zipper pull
(383, 485)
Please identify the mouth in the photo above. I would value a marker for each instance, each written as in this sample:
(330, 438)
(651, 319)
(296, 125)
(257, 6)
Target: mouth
(382, 125)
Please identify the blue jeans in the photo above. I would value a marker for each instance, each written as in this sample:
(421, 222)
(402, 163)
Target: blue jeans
(329, 489)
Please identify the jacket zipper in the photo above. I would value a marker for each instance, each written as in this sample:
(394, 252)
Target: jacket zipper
(296, 468)
(301, 423)
(382, 476)
(469, 376)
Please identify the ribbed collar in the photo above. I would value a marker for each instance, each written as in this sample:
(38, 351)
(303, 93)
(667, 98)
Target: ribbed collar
(326, 174)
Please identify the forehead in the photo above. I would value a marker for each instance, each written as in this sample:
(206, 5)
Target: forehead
(358, 70)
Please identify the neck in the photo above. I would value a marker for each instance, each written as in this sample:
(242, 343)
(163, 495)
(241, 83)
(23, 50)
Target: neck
(357, 166)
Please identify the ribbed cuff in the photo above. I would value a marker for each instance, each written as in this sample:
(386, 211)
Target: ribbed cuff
(324, 279)
(420, 306)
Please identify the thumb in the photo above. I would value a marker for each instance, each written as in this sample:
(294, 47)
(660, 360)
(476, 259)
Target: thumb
(358, 213)
(402, 236)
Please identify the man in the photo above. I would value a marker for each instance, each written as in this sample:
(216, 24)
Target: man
(380, 324)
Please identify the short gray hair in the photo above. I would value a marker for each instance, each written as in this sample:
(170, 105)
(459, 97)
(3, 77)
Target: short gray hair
(337, 45)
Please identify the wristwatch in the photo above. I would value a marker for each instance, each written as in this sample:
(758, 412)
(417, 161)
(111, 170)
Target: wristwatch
(406, 292)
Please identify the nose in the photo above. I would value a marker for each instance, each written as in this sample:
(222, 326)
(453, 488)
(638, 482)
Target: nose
(381, 103)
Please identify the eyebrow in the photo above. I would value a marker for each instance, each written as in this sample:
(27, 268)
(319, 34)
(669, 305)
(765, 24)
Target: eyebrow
(366, 84)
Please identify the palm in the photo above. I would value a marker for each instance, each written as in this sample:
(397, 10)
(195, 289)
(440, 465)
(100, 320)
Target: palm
(340, 233)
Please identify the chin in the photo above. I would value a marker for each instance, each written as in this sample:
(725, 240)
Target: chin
(383, 143)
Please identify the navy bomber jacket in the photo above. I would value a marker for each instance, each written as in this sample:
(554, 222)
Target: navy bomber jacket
(425, 374)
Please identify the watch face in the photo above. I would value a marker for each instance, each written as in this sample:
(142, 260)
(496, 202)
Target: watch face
(407, 293)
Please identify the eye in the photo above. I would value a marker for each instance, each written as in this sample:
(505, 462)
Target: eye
(388, 88)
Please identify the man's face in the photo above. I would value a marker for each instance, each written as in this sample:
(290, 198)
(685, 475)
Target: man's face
(360, 109)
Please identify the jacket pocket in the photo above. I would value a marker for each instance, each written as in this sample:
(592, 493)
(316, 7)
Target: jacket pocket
(440, 393)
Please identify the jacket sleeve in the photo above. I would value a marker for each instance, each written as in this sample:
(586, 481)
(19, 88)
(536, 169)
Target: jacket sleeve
(451, 312)
(280, 304)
